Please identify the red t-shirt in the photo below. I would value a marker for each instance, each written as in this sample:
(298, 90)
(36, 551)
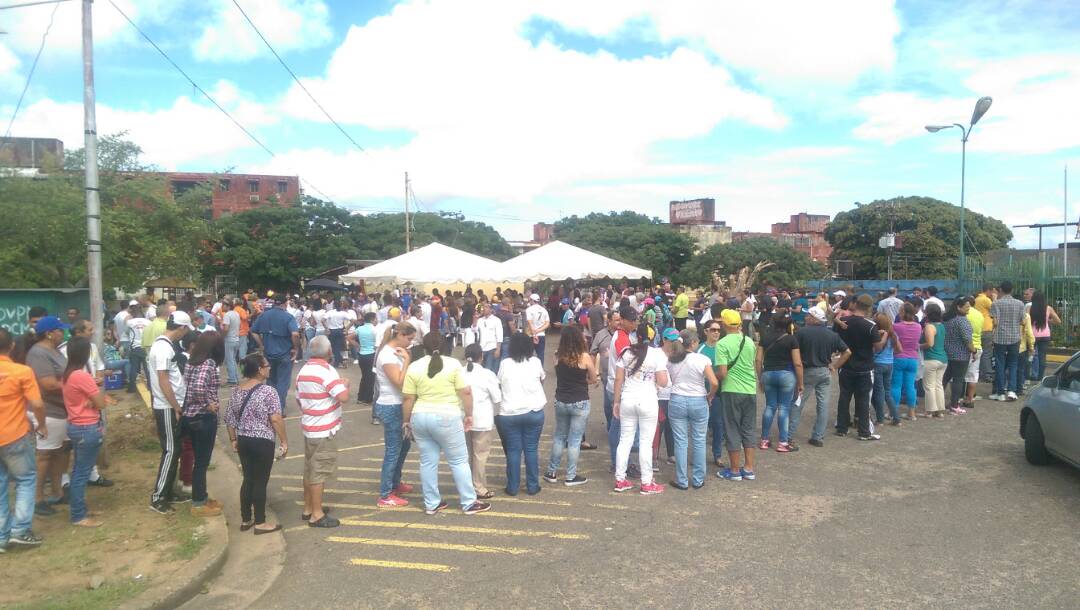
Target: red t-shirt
(78, 389)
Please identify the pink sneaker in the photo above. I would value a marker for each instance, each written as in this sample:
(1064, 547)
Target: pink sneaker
(764, 444)
(623, 485)
(392, 501)
(652, 489)
(402, 489)
(783, 448)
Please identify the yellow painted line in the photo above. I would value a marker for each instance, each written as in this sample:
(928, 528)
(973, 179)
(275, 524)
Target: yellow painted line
(143, 393)
(305, 527)
(487, 514)
(497, 499)
(460, 529)
(404, 565)
(437, 546)
(356, 410)
(1055, 358)
(300, 477)
(300, 455)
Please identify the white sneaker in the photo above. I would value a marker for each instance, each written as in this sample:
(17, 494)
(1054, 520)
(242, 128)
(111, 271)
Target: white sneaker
(1001, 397)
(994, 397)
(356, 362)
(1010, 396)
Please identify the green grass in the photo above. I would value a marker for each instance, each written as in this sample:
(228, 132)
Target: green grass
(109, 595)
(190, 538)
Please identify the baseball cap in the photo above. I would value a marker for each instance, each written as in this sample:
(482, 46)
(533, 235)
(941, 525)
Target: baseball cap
(731, 317)
(564, 302)
(133, 303)
(49, 323)
(649, 301)
(394, 312)
(534, 297)
(818, 314)
(670, 334)
(839, 293)
(178, 319)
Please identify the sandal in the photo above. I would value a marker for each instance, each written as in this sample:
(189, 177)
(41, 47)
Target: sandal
(245, 526)
(587, 446)
(276, 528)
(307, 516)
(486, 495)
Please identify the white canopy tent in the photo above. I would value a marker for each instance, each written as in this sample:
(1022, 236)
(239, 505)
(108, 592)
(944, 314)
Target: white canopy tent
(560, 261)
(431, 264)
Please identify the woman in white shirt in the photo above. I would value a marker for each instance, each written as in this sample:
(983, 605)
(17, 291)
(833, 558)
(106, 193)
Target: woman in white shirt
(693, 386)
(521, 413)
(391, 361)
(486, 394)
(639, 371)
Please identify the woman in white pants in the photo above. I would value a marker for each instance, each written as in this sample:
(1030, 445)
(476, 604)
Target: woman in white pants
(639, 371)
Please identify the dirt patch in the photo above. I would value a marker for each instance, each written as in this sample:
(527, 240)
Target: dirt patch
(134, 548)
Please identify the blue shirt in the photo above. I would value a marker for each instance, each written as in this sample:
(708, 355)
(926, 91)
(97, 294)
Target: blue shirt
(276, 327)
(885, 356)
(366, 336)
(799, 317)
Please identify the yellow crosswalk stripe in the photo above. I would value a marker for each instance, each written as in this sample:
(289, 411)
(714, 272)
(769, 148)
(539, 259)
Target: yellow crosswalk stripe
(404, 565)
(438, 546)
(300, 455)
(527, 516)
(497, 499)
(461, 529)
(356, 410)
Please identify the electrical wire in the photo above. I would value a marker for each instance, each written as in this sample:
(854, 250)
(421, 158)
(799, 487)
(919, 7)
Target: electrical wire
(25, 4)
(33, 67)
(295, 78)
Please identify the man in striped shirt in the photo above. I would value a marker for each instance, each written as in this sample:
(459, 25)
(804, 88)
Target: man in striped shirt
(319, 392)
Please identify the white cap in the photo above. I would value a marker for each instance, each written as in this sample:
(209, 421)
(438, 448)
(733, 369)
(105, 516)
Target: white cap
(818, 314)
(133, 303)
(839, 293)
(534, 297)
(181, 318)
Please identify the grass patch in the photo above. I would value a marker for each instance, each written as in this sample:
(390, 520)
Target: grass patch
(106, 596)
(190, 536)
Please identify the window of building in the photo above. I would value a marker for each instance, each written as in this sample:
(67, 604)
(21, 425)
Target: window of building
(282, 187)
(253, 186)
(223, 185)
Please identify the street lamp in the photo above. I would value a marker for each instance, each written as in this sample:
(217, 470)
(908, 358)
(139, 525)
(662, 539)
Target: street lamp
(981, 107)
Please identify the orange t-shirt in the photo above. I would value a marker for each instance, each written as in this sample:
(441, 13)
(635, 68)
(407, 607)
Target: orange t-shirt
(244, 315)
(17, 385)
(79, 388)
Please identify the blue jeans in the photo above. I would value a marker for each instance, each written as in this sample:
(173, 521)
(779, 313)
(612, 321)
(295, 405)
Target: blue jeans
(136, 362)
(817, 380)
(396, 448)
(17, 464)
(1006, 359)
(779, 386)
(491, 363)
(521, 434)
(504, 351)
(309, 334)
(435, 432)
(1038, 363)
(903, 381)
(716, 426)
(86, 441)
(570, 420)
(234, 347)
(337, 344)
(540, 349)
(689, 414)
(883, 394)
(280, 376)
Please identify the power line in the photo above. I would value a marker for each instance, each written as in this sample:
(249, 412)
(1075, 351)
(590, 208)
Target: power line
(33, 67)
(294, 77)
(25, 4)
(208, 96)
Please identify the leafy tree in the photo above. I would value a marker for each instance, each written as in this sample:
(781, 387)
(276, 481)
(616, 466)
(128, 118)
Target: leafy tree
(791, 269)
(382, 236)
(929, 231)
(273, 246)
(115, 154)
(629, 237)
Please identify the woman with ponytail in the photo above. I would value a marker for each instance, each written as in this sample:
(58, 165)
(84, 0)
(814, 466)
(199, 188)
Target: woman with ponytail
(693, 387)
(438, 406)
(391, 360)
(486, 394)
(639, 371)
(84, 403)
(521, 413)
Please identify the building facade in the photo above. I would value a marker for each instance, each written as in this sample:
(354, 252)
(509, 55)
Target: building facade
(697, 218)
(803, 232)
(235, 193)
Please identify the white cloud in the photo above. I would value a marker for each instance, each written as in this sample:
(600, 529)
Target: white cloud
(288, 25)
(25, 26)
(185, 132)
(10, 78)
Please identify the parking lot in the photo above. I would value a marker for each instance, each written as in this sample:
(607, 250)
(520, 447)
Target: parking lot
(938, 513)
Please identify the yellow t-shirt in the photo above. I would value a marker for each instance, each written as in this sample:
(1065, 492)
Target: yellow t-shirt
(438, 394)
(983, 303)
(976, 320)
(680, 308)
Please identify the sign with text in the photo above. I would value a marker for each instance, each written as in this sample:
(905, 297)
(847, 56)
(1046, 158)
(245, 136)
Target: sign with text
(694, 211)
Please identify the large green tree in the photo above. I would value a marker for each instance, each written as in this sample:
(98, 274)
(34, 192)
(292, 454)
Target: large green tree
(381, 236)
(274, 246)
(791, 268)
(631, 238)
(929, 234)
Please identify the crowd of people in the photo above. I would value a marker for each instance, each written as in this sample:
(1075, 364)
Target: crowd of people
(675, 368)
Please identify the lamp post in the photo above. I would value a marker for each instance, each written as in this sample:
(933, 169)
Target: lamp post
(981, 107)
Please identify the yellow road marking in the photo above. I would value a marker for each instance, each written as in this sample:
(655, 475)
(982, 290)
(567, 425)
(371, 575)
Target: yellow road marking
(463, 529)
(497, 499)
(143, 393)
(357, 410)
(488, 514)
(1056, 358)
(404, 565)
(438, 546)
(300, 455)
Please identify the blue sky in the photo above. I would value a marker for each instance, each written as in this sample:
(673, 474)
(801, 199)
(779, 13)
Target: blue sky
(514, 111)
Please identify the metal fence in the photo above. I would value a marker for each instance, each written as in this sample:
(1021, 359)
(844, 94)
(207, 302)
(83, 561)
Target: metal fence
(1044, 275)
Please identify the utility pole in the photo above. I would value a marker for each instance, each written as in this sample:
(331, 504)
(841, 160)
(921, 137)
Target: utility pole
(93, 204)
(1065, 229)
(408, 244)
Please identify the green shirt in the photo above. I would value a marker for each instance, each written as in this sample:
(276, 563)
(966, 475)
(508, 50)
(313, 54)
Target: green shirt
(741, 378)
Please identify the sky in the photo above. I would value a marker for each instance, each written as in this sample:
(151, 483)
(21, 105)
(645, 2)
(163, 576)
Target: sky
(520, 111)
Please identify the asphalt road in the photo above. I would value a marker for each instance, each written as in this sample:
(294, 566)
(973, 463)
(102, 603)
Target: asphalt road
(939, 513)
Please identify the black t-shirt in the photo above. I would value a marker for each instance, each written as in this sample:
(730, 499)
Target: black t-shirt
(860, 336)
(784, 304)
(505, 317)
(817, 344)
(777, 350)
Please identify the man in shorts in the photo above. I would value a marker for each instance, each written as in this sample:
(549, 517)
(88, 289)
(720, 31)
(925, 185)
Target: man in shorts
(735, 356)
(53, 450)
(319, 392)
(976, 319)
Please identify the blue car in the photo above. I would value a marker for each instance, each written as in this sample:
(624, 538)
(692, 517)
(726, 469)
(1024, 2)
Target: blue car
(1050, 419)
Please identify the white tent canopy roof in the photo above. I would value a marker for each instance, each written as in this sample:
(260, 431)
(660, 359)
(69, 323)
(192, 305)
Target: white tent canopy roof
(561, 261)
(431, 264)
